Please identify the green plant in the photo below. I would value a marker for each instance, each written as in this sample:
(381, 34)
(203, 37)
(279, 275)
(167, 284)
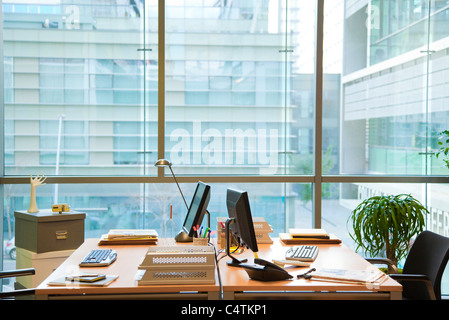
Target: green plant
(387, 224)
(443, 147)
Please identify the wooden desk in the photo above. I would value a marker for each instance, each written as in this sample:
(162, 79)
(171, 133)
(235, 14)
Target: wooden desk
(125, 287)
(235, 281)
(237, 285)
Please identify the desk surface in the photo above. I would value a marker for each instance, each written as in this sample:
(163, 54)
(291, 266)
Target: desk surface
(329, 256)
(128, 259)
(233, 279)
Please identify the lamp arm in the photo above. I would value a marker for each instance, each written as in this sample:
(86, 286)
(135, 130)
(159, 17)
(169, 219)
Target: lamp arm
(178, 187)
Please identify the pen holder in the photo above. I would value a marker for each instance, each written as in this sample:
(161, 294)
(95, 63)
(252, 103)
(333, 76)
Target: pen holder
(200, 241)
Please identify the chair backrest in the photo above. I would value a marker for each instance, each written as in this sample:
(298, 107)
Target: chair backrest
(428, 256)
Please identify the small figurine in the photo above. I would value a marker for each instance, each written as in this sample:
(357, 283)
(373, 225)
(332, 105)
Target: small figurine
(37, 181)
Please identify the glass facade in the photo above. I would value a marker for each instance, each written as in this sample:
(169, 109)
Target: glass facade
(245, 94)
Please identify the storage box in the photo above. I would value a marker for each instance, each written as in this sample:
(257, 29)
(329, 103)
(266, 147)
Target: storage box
(261, 230)
(47, 231)
(43, 263)
(178, 265)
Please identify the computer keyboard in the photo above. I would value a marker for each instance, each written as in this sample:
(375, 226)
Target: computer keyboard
(99, 258)
(302, 253)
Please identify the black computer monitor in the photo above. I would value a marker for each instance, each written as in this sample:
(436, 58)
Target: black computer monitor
(240, 223)
(195, 214)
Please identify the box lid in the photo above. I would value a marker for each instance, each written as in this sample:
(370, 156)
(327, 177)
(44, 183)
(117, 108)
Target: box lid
(45, 255)
(47, 215)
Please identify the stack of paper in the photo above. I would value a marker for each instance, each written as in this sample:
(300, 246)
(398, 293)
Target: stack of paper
(371, 276)
(69, 281)
(261, 230)
(308, 236)
(130, 236)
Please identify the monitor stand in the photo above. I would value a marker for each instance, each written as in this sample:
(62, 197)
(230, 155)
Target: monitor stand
(182, 236)
(234, 261)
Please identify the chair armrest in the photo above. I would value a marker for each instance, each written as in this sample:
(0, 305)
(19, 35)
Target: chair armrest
(391, 266)
(17, 273)
(416, 277)
(15, 293)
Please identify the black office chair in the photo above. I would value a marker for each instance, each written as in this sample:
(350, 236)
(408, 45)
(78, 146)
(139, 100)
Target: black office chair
(17, 273)
(423, 267)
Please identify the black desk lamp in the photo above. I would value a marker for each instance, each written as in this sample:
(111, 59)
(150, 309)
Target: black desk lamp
(181, 236)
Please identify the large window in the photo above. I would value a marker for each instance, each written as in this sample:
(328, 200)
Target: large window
(310, 106)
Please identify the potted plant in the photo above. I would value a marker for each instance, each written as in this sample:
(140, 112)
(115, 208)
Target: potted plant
(387, 224)
(443, 147)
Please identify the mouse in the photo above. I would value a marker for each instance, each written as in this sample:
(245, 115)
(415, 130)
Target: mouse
(263, 270)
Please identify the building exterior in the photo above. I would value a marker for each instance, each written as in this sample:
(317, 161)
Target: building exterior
(394, 95)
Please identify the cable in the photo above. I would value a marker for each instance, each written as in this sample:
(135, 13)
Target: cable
(220, 292)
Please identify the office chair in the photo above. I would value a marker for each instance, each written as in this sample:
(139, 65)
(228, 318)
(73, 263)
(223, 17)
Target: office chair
(423, 267)
(17, 273)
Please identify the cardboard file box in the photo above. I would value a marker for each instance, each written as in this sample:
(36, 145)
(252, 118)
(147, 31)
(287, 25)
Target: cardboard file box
(47, 231)
(43, 263)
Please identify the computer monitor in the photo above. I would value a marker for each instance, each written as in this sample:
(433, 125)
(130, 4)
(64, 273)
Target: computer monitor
(195, 214)
(240, 222)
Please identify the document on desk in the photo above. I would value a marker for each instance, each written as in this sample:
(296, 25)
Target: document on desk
(67, 282)
(370, 276)
(129, 236)
(288, 239)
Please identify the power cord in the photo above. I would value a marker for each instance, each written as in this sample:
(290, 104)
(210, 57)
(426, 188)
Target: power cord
(220, 292)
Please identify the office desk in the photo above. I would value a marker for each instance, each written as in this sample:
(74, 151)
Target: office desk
(235, 281)
(237, 285)
(125, 286)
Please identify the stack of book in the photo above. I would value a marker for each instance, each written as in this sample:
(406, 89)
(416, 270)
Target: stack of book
(129, 236)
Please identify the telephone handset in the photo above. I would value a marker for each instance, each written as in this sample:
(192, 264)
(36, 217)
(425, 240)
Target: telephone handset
(268, 264)
(265, 271)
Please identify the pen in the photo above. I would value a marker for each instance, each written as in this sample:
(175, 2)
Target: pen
(205, 232)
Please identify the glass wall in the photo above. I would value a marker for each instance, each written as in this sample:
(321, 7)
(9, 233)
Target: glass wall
(234, 93)
(237, 86)
(393, 105)
(393, 92)
(80, 98)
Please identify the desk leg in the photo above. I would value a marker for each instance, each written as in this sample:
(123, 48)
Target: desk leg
(396, 295)
(212, 295)
(228, 295)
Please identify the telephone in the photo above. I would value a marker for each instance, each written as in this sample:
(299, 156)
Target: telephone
(265, 271)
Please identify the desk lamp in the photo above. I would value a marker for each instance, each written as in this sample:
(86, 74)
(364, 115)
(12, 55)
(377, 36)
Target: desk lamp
(166, 163)
(181, 237)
